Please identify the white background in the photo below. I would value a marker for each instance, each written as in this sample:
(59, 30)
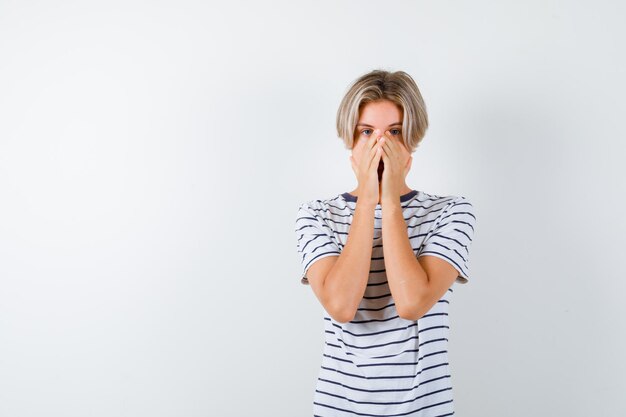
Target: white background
(153, 156)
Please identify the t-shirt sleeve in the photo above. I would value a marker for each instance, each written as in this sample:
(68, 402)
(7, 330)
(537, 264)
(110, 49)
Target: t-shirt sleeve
(314, 239)
(452, 237)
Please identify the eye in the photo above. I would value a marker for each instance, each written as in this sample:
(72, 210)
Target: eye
(395, 130)
(365, 130)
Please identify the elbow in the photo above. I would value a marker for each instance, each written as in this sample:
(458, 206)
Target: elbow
(411, 312)
(339, 309)
(342, 314)
(341, 319)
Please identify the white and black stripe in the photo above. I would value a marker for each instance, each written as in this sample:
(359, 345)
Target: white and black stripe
(380, 364)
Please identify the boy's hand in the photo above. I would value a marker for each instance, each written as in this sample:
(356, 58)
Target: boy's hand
(397, 161)
(364, 160)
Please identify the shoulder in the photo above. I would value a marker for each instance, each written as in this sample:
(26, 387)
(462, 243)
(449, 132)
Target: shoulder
(460, 213)
(324, 208)
(438, 203)
(462, 205)
(445, 206)
(450, 199)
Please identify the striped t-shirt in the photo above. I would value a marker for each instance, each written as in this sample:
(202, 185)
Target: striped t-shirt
(380, 364)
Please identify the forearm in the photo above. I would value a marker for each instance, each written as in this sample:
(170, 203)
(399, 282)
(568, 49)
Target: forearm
(346, 282)
(407, 279)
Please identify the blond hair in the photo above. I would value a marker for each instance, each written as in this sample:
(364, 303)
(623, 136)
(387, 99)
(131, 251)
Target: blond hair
(397, 87)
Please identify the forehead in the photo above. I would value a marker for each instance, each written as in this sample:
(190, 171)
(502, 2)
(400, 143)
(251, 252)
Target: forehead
(383, 111)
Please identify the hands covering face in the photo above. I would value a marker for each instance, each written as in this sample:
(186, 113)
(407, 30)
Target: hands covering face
(395, 163)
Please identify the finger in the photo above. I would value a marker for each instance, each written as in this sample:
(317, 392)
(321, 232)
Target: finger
(353, 163)
(371, 146)
(398, 150)
(373, 155)
(390, 140)
(376, 160)
(385, 155)
(371, 142)
(388, 145)
(397, 145)
(388, 152)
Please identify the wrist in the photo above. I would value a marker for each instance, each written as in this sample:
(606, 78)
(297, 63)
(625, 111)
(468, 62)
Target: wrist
(365, 204)
(388, 203)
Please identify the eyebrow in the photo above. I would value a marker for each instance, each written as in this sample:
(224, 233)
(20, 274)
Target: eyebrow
(366, 125)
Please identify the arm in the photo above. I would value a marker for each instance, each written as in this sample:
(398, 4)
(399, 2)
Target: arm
(415, 284)
(339, 282)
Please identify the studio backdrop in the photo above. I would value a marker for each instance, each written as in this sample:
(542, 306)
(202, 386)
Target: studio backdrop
(153, 156)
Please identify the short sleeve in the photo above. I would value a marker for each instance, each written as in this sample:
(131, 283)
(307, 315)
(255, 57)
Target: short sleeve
(452, 236)
(314, 239)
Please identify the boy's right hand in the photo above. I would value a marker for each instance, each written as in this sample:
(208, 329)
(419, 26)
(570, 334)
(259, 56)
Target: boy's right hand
(365, 158)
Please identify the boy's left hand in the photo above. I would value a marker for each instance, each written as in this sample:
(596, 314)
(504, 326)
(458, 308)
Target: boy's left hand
(397, 164)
